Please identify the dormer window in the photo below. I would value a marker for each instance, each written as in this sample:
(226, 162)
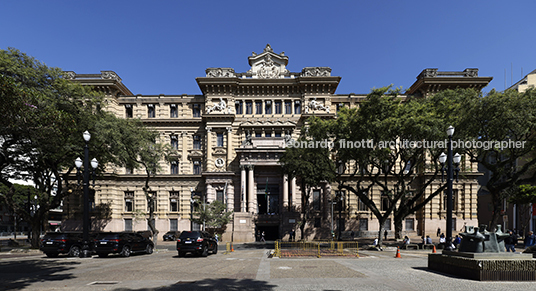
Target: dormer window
(173, 112)
(150, 111)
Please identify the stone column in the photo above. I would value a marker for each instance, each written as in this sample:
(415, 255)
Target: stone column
(293, 191)
(243, 200)
(229, 146)
(230, 196)
(285, 192)
(184, 146)
(209, 146)
(252, 208)
(211, 194)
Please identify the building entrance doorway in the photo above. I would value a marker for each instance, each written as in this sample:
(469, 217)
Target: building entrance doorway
(268, 199)
(271, 232)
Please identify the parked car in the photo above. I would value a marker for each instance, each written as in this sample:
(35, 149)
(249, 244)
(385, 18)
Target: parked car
(123, 243)
(70, 243)
(171, 235)
(196, 242)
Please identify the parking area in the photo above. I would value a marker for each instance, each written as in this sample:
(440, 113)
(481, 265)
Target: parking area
(248, 268)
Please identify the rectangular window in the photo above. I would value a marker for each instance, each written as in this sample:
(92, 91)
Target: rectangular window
(258, 107)
(173, 224)
(268, 134)
(173, 112)
(297, 107)
(339, 106)
(128, 224)
(385, 202)
(268, 107)
(454, 195)
(249, 107)
(277, 107)
(258, 134)
(129, 205)
(129, 170)
(387, 224)
(197, 168)
(288, 107)
(219, 139)
(363, 224)
(238, 107)
(410, 224)
(173, 205)
(219, 196)
(196, 110)
(277, 134)
(197, 142)
(339, 196)
(128, 110)
(174, 142)
(361, 206)
(174, 168)
(316, 200)
(150, 111)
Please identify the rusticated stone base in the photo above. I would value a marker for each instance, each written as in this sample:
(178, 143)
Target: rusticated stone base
(485, 266)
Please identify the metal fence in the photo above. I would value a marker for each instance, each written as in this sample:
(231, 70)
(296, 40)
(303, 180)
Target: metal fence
(316, 249)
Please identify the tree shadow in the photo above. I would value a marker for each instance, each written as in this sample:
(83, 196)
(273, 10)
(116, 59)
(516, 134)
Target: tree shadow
(21, 274)
(214, 285)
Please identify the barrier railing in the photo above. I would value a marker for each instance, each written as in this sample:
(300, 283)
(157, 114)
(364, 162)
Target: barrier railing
(316, 248)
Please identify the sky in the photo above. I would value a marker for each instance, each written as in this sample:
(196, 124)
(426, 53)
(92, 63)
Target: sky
(160, 47)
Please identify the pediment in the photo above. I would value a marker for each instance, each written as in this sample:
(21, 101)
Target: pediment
(268, 65)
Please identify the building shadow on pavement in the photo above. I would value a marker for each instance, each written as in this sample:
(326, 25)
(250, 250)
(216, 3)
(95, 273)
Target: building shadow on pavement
(21, 274)
(214, 285)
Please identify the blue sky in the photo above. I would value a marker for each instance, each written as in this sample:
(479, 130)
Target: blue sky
(160, 47)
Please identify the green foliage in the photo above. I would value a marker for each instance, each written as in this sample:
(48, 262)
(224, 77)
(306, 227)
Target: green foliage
(524, 194)
(214, 215)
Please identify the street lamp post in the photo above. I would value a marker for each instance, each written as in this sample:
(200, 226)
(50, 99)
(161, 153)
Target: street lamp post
(451, 162)
(85, 253)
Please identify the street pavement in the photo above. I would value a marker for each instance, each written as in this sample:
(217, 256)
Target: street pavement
(247, 268)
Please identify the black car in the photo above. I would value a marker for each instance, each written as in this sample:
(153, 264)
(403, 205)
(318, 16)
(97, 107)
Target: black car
(196, 242)
(171, 235)
(123, 243)
(70, 243)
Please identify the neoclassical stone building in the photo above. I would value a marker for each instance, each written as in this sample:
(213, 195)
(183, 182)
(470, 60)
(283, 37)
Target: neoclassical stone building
(228, 142)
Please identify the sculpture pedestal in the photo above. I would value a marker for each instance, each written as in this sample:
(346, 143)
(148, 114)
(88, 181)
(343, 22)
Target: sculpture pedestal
(485, 266)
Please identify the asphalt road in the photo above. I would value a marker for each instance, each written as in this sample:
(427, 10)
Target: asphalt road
(248, 268)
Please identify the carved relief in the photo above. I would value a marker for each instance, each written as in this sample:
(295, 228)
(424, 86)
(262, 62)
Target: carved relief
(220, 72)
(219, 107)
(472, 73)
(315, 105)
(268, 69)
(110, 75)
(69, 75)
(316, 72)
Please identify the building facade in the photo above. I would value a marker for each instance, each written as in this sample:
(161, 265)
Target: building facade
(228, 141)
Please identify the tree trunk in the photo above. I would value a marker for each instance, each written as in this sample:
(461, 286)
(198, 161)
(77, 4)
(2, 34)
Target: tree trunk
(36, 233)
(380, 234)
(496, 214)
(398, 228)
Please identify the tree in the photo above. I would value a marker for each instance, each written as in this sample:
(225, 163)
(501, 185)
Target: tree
(524, 196)
(370, 145)
(213, 216)
(43, 134)
(504, 124)
(313, 166)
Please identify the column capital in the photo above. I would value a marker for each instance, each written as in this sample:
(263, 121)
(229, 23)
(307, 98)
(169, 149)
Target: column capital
(229, 129)
(208, 128)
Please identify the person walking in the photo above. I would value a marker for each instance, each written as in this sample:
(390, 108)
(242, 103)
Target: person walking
(262, 237)
(510, 242)
(438, 231)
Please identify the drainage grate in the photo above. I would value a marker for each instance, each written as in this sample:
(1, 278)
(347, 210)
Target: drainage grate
(104, 283)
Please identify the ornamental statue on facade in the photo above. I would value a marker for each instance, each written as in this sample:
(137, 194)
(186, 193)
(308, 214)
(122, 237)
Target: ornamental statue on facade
(220, 107)
(315, 105)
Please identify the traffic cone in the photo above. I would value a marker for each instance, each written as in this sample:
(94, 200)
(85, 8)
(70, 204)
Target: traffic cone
(398, 252)
(434, 250)
(232, 248)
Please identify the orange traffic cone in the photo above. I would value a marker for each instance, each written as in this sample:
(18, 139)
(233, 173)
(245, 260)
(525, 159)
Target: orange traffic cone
(398, 252)
(434, 250)
(232, 248)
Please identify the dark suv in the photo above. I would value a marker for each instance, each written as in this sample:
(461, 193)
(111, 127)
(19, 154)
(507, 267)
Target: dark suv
(123, 243)
(171, 235)
(197, 242)
(54, 243)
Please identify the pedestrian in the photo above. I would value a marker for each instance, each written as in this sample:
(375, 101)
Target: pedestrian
(457, 241)
(442, 239)
(429, 240)
(385, 235)
(510, 242)
(406, 240)
(438, 231)
(291, 235)
(529, 239)
(262, 237)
